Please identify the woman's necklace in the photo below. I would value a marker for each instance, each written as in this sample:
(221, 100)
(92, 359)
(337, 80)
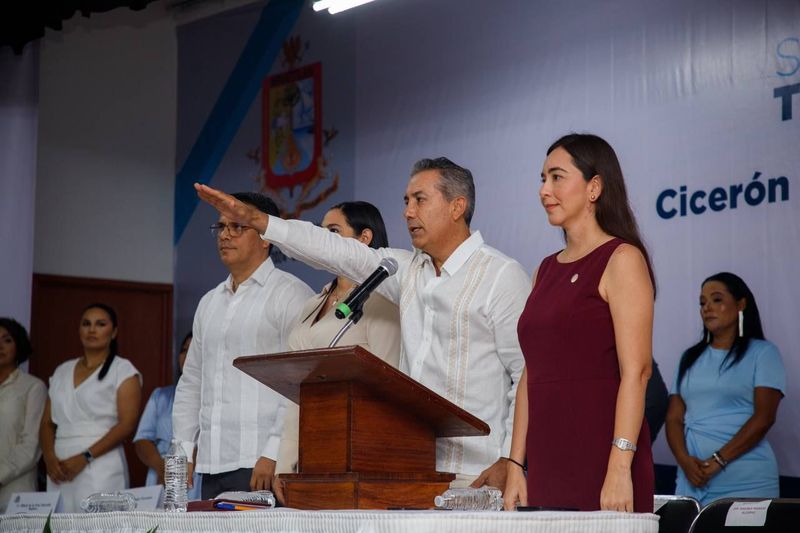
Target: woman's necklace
(330, 301)
(337, 296)
(571, 257)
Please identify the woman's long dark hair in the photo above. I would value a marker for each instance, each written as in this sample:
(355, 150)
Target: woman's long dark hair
(752, 326)
(595, 157)
(364, 215)
(112, 349)
(360, 216)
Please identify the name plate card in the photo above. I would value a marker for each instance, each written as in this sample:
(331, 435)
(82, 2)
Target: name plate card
(34, 503)
(747, 514)
(147, 498)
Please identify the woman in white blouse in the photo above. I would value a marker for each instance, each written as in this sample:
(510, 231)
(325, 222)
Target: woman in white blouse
(378, 330)
(22, 399)
(93, 407)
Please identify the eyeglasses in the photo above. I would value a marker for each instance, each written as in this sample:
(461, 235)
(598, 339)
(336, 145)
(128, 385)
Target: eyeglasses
(234, 229)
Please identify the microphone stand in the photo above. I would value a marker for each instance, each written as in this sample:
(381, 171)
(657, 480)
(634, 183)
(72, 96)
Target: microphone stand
(355, 316)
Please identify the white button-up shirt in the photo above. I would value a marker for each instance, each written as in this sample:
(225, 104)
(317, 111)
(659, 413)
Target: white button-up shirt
(238, 418)
(22, 399)
(459, 330)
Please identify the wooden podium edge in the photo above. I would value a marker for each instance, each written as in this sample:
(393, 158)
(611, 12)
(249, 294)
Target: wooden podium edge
(414, 392)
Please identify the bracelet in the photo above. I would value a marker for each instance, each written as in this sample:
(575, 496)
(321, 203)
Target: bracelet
(624, 444)
(522, 466)
(88, 456)
(719, 459)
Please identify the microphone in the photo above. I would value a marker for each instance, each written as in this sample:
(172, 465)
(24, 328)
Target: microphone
(353, 303)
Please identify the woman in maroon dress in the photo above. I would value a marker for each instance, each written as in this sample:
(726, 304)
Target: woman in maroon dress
(586, 333)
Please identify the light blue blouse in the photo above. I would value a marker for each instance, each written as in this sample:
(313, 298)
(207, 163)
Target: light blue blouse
(156, 426)
(718, 403)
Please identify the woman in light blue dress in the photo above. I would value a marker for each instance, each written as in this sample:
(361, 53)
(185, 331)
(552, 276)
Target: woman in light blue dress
(154, 433)
(725, 398)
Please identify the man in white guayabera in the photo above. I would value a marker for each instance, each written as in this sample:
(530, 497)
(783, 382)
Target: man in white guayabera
(252, 312)
(459, 302)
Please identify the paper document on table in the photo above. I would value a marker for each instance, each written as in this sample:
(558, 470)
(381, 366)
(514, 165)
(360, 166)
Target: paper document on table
(34, 502)
(147, 498)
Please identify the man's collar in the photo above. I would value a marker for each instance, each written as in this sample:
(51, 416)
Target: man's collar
(259, 276)
(461, 254)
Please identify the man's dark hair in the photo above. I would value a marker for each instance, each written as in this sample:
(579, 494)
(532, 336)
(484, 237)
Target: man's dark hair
(263, 203)
(454, 181)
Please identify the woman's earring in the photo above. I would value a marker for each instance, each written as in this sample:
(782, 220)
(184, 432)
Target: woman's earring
(741, 323)
(592, 197)
(708, 337)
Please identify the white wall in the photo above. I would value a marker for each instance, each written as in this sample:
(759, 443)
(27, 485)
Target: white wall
(106, 153)
(18, 77)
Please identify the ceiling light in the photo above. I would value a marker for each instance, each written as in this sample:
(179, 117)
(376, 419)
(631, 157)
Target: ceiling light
(323, 4)
(337, 6)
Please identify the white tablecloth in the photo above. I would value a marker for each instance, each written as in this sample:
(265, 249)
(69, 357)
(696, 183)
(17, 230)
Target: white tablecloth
(284, 520)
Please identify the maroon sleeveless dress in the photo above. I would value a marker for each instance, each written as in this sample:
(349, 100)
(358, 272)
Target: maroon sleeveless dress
(567, 337)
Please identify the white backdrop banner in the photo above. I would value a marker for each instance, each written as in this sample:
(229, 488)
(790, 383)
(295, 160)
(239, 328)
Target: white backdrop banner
(701, 100)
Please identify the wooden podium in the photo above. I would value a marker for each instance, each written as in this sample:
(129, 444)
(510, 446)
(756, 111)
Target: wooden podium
(367, 431)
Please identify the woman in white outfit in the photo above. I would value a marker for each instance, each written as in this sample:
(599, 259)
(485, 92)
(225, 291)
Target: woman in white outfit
(93, 407)
(21, 403)
(378, 331)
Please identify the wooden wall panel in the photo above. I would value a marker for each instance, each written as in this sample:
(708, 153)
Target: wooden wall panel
(144, 311)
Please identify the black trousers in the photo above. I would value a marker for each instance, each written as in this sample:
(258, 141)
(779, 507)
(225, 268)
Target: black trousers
(214, 484)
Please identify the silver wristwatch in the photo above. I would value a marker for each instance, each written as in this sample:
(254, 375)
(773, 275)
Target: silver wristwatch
(624, 444)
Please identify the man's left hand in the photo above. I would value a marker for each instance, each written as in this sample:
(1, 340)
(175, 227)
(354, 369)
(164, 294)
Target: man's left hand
(263, 472)
(494, 476)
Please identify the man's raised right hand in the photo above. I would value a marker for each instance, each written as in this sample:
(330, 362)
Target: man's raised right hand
(233, 209)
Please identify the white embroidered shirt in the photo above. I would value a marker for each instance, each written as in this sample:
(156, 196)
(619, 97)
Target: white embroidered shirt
(459, 329)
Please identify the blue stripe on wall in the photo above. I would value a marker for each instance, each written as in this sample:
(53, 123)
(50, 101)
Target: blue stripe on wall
(276, 21)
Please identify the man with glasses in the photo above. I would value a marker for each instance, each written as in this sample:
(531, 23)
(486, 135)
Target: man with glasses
(459, 301)
(252, 312)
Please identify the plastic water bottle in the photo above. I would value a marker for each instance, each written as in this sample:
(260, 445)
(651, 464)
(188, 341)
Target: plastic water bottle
(469, 499)
(105, 502)
(175, 479)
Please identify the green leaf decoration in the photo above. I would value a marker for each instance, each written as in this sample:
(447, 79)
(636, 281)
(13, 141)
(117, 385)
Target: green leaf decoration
(47, 528)
(152, 530)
